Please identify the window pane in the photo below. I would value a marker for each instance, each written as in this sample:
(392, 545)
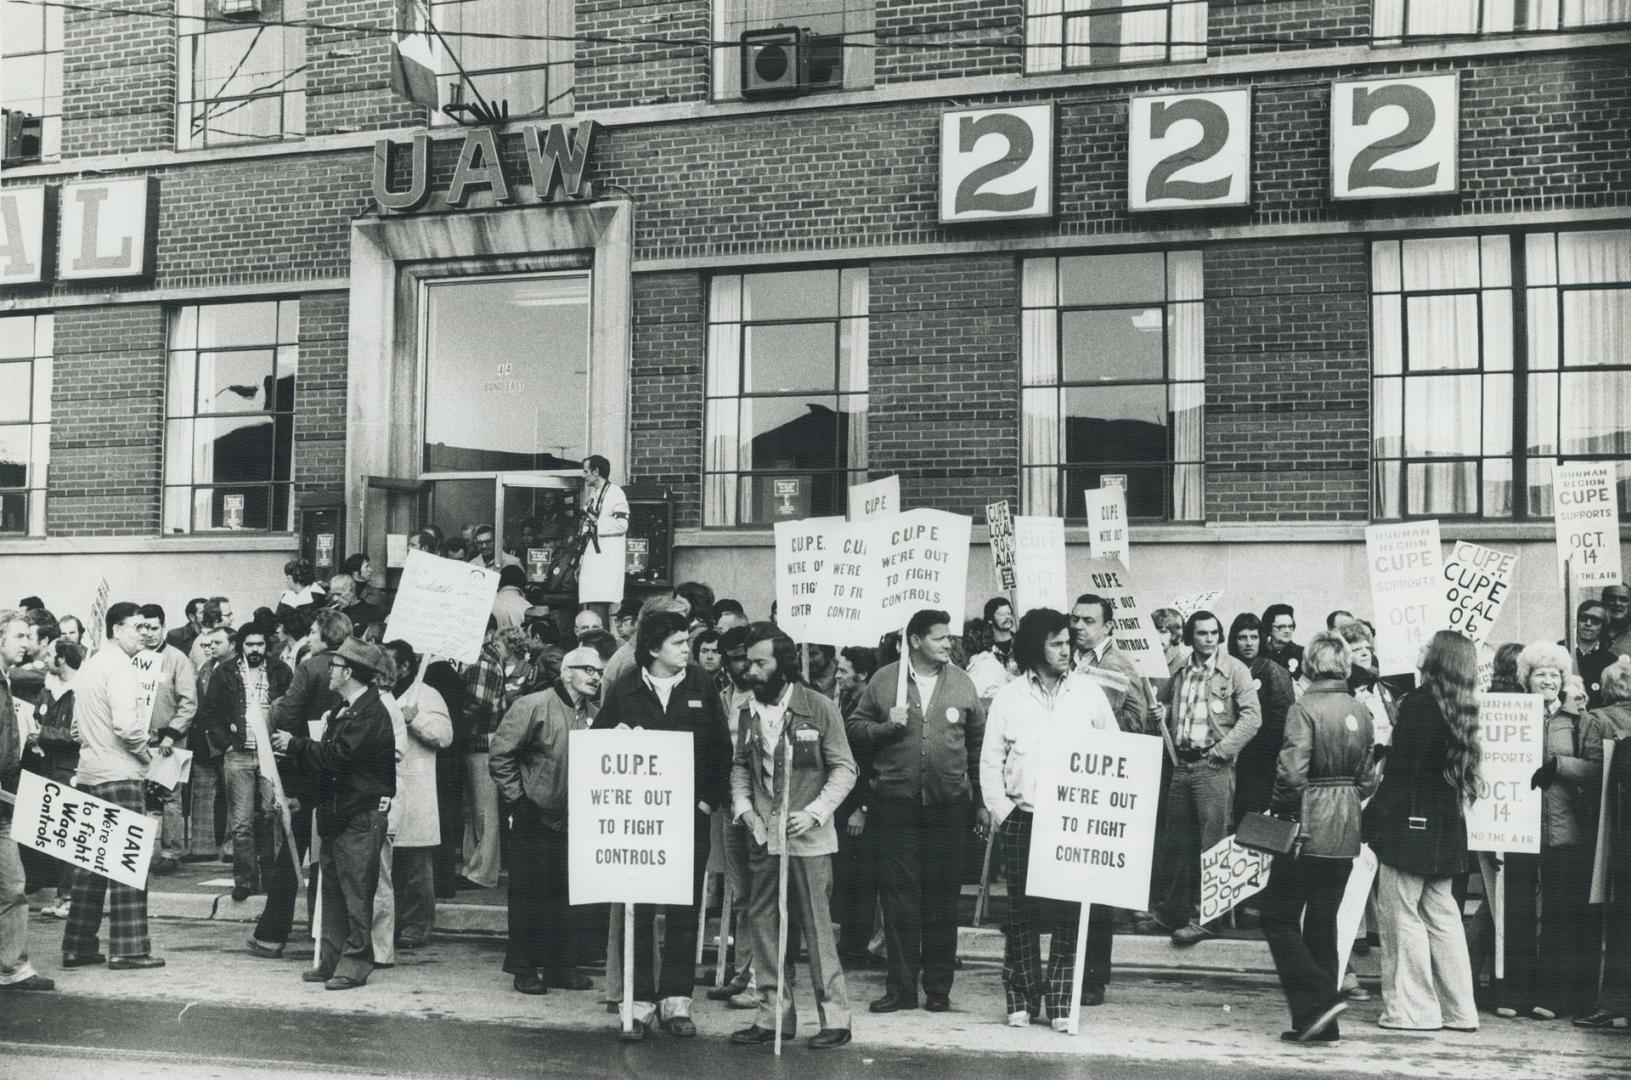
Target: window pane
(1387, 335)
(778, 498)
(1114, 345)
(182, 383)
(233, 382)
(219, 123)
(1498, 414)
(1596, 327)
(791, 357)
(14, 455)
(1148, 489)
(226, 325)
(16, 337)
(1384, 266)
(1443, 262)
(1443, 332)
(1186, 342)
(288, 322)
(1498, 500)
(1387, 418)
(1116, 423)
(1497, 330)
(1039, 427)
(231, 508)
(1443, 416)
(14, 511)
(852, 431)
(1597, 406)
(853, 355)
(1449, 487)
(1112, 279)
(1389, 495)
(42, 388)
(1542, 414)
(16, 391)
(229, 450)
(23, 28)
(790, 433)
(799, 294)
(1543, 329)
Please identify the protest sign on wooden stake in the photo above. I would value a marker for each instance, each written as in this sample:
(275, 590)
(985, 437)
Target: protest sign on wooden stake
(441, 607)
(1039, 564)
(1506, 814)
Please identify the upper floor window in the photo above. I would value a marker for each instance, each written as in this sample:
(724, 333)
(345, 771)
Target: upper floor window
(25, 421)
(822, 45)
(1113, 385)
(31, 81)
(1066, 35)
(786, 424)
(1467, 414)
(516, 51)
(1396, 20)
(241, 76)
(229, 427)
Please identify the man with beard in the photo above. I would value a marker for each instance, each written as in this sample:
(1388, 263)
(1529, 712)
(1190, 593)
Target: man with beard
(736, 694)
(999, 614)
(236, 717)
(796, 755)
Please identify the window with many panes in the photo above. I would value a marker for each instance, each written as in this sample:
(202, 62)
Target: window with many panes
(1113, 383)
(241, 75)
(515, 51)
(31, 81)
(1476, 393)
(25, 421)
(1065, 35)
(838, 41)
(1396, 20)
(229, 428)
(786, 424)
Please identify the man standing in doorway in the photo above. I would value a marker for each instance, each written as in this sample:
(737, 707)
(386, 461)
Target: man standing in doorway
(113, 760)
(605, 523)
(922, 805)
(1212, 712)
(488, 556)
(1092, 634)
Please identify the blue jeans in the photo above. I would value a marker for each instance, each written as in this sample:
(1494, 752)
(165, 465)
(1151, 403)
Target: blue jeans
(242, 773)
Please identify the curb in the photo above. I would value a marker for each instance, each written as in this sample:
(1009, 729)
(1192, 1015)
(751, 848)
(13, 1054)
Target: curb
(983, 944)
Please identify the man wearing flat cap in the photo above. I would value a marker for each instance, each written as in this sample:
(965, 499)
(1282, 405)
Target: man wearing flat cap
(355, 765)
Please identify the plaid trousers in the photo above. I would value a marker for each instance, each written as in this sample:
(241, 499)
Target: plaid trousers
(1022, 978)
(126, 907)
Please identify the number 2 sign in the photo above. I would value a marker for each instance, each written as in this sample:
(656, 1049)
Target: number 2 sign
(996, 164)
(1189, 150)
(1395, 138)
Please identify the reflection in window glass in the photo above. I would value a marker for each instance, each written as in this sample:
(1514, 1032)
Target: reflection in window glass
(25, 420)
(1065, 35)
(516, 51)
(241, 76)
(1398, 20)
(31, 78)
(229, 432)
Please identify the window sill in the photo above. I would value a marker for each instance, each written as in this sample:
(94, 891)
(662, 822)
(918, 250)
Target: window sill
(1316, 532)
(149, 545)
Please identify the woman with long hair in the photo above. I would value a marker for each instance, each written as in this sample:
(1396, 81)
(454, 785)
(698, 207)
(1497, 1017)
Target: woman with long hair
(1415, 826)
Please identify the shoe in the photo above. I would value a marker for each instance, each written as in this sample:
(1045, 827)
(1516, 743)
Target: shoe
(135, 963)
(1327, 1016)
(1092, 996)
(1542, 1013)
(446, 892)
(1602, 1019)
(312, 975)
(1326, 1036)
(681, 1027)
(747, 999)
(1193, 934)
(464, 884)
(1061, 1024)
(638, 1033)
(1506, 1012)
(1019, 1019)
(1466, 1030)
(753, 1036)
(937, 1002)
(240, 893)
(828, 1038)
(410, 944)
(1405, 1027)
(567, 980)
(33, 982)
(530, 983)
(342, 982)
(726, 992)
(77, 960)
(893, 1003)
(1357, 993)
(265, 952)
(58, 912)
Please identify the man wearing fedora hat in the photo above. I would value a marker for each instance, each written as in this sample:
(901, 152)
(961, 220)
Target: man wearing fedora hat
(355, 764)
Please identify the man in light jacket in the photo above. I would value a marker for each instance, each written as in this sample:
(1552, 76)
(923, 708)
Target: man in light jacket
(174, 688)
(791, 748)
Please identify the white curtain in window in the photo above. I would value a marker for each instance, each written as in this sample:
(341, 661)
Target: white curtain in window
(1043, 34)
(1595, 406)
(1040, 428)
(1186, 360)
(722, 425)
(1564, 14)
(856, 282)
(1189, 27)
(1450, 262)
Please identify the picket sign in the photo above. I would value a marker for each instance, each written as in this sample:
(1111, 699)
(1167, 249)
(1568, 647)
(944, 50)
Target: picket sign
(82, 830)
(442, 606)
(1406, 566)
(1230, 874)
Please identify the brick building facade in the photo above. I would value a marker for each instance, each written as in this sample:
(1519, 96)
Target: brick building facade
(1255, 475)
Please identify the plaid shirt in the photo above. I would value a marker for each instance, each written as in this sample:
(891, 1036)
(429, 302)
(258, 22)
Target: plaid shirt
(485, 681)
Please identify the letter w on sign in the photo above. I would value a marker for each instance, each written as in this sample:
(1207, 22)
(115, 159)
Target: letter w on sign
(82, 830)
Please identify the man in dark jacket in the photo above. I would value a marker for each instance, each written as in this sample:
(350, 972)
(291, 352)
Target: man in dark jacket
(307, 699)
(1258, 761)
(355, 765)
(16, 973)
(235, 714)
(669, 693)
(1592, 656)
(926, 767)
(1279, 624)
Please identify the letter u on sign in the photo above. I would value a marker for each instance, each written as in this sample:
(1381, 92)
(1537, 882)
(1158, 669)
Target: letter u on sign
(996, 163)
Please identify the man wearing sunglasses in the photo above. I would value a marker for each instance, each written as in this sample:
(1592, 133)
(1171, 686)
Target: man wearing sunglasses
(528, 761)
(1592, 656)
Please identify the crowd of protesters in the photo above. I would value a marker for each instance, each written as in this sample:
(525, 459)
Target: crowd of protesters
(396, 788)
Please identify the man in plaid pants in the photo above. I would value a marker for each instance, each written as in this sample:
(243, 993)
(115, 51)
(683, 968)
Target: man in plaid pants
(113, 760)
(1048, 694)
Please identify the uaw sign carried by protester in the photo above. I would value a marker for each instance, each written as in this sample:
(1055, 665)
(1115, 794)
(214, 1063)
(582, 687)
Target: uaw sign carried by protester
(1135, 631)
(1229, 874)
(631, 809)
(82, 830)
(1587, 510)
(1407, 590)
(149, 668)
(1506, 814)
(1039, 564)
(850, 582)
(1477, 580)
(442, 606)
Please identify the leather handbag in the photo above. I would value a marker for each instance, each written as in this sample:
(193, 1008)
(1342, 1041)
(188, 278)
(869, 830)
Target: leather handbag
(1272, 835)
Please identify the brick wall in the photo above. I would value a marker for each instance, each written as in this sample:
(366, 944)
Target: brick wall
(107, 421)
(348, 74)
(944, 379)
(1254, 26)
(1287, 381)
(666, 388)
(665, 64)
(939, 39)
(118, 80)
(320, 394)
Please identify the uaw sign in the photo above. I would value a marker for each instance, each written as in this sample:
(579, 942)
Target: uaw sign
(557, 169)
(82, 830)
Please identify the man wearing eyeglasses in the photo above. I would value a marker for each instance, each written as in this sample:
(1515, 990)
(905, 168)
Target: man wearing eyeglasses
(1280, 623)
(1592, 656)
(528, 762)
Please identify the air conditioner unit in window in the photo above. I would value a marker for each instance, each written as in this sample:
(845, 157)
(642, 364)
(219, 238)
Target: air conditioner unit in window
(241, 7)
(772, 62)
(823, 62)
(23, 137)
